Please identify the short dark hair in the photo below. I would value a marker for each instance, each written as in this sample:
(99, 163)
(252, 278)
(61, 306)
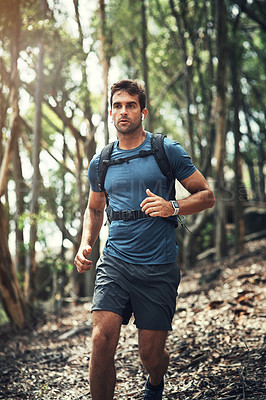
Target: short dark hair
(132, 87)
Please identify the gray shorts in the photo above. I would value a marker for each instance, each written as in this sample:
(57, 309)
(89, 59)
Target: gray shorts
(147, 291)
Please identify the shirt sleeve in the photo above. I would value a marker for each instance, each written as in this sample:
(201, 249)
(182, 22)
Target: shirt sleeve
(93, 174)
(180, 161)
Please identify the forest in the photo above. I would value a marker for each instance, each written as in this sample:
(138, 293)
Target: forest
(203, 66)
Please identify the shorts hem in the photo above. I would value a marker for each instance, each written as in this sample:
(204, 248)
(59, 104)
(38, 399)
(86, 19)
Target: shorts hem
(105, 309)
(155, 329)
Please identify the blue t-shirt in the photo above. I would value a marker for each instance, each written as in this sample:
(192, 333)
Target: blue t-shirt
(149, 240)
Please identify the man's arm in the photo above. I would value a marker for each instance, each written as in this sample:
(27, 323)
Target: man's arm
(92, 223)
(201, 197)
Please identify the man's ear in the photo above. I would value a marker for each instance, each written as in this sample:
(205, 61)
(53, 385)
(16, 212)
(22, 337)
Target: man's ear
(145, 112)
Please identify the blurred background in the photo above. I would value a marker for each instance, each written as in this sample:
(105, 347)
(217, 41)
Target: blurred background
(203, 66)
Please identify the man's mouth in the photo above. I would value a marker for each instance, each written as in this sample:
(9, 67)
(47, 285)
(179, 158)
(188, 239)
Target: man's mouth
(123, 120)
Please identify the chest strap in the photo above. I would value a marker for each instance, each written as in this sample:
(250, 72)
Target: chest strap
(132, 215)
(125, 215)
(121, 160)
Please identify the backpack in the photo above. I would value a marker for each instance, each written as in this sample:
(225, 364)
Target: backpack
(158, 151)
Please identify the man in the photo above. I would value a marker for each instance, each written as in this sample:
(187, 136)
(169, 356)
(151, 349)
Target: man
(138, 272)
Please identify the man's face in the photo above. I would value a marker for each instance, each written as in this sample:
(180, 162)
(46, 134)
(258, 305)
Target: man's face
(126, 112)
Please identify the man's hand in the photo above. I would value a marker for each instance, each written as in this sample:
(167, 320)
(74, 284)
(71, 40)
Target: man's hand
(81, 260)
(156, 206)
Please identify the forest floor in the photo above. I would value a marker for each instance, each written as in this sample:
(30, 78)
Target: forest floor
(217, 345)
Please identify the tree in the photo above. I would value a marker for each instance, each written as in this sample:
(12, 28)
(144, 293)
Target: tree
(181, 26)
(30, 273)
(11, 294)
(10, 290)
(220, 237)
(105, 37)
(235, 60)
(145, 67)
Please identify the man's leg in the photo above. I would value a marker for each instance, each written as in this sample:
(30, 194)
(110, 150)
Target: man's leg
(153, 354)
(105, 336)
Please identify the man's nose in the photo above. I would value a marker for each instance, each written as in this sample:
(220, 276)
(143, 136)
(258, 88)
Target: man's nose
(123, 110)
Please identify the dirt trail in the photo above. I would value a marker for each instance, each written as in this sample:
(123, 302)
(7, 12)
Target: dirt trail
(217, 345)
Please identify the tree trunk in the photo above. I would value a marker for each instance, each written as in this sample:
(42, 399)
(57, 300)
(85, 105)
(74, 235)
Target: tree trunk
(60, 276)
(30, 275)
(188, 247)
(4, 104)
(21, 191)
(220, 237)
(105, 63)
(188, 77)
(10, 290)
(145, 67)
(261, 163)
(87, 106)
(249, 155)
(14, 85)
(238, 206)
(252, 179)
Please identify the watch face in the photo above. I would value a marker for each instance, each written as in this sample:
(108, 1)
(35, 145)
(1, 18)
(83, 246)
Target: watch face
(175, 204)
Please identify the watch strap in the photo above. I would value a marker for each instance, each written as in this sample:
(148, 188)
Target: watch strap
(175, 207)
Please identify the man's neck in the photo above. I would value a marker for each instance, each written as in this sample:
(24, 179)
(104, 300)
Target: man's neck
(128, 141)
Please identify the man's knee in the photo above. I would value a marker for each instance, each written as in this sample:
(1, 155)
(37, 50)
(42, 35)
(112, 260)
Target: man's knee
(148, 359)
(152, 348)
(152, 357)
(100, 340)
(103, 341)
(105, 335)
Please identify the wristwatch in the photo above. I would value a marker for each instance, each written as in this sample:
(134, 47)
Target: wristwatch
(175, 207)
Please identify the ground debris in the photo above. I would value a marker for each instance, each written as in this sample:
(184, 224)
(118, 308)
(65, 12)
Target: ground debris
(217, 346)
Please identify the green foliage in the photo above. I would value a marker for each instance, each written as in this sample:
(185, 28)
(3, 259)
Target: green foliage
(27, 217)
(55, 263)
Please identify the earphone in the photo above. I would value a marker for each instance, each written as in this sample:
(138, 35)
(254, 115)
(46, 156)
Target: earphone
(142, 117)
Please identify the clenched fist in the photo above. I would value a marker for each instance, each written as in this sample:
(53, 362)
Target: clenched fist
(82, 261)
(156, 206)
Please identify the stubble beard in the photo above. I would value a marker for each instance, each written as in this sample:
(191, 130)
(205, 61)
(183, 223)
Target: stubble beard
(129, 129)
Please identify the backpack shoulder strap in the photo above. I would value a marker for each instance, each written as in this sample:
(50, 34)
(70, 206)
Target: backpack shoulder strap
(157, 145)
(105, 156)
